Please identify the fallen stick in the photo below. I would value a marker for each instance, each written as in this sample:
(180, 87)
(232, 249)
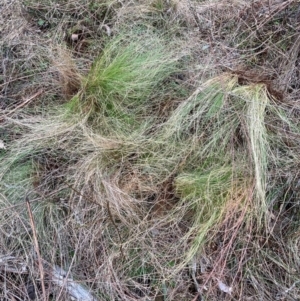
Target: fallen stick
(37, 249)
(26, 101)
(23, 104)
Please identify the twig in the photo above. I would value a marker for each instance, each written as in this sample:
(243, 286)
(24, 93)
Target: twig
(36, 246)
(117, 229)
(197, 297)
(26, 101)
(193, 269)
(32, 201)
(23, 104)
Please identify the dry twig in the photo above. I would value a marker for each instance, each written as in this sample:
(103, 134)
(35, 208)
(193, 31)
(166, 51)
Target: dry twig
(24, 103)
(37, 249)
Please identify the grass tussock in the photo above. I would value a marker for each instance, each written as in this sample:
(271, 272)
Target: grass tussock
(118, 91)
(157, 171)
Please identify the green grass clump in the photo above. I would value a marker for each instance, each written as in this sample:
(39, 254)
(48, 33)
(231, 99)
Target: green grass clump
(121, 86)
(201, 184)
(206, 193)
(16, 180)
(257, 102)
(217, 145)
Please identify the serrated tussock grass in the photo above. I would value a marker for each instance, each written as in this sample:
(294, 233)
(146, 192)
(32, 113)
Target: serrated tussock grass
(156, 193)
(122, 84)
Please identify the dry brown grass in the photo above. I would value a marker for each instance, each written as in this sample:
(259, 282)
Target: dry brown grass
(199, 194)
